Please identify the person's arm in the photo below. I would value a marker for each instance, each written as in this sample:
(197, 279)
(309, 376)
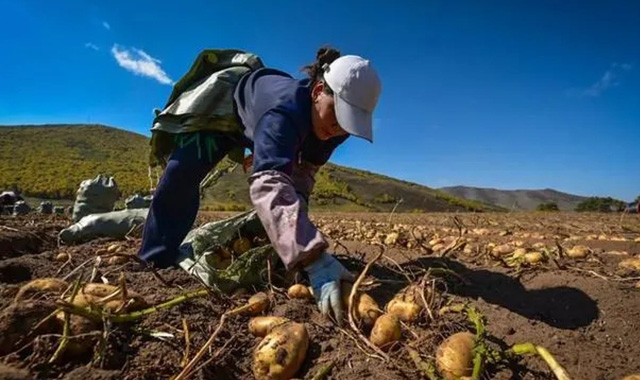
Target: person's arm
(304, 179)
(315, 153)
(281, 209)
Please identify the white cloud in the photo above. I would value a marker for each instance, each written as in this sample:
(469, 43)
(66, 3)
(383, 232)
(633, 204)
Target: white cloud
(609, 79)
(625, 66)
(106, 25)
(89, 45)
(140, 63)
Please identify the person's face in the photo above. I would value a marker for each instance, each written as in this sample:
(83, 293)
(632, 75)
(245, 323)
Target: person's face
(323, 114)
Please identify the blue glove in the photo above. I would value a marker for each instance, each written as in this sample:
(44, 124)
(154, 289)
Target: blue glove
(325, 274)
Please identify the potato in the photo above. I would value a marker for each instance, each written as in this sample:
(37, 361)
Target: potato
(631, 264)
(218, 261)
(259, 302)
(61, 257)
(117, 260)
(224, 253)
(92, 295)
(454, 357)
(407, 304)
(469, 249)
(366, 309)
(538, 245)
(299, 291)
(501, 250)
(241, 245)
(225, 263)
(405, 311)
(438, 247)
(113, 248)
(533, 257)
(261, 326)
(578, 252)
(450, 239)
(519, 252)
(386, 331)
(392, 238)
(518, 255)
(280, 354)
(52, 286)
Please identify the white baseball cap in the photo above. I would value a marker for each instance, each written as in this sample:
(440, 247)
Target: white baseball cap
(356, 87)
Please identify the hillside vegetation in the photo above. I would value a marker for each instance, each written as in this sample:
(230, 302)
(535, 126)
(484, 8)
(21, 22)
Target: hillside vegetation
(517, 199)
(50, 162)
(601, 204)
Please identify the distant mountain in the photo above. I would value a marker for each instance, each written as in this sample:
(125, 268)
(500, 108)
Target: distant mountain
(50, 162)
(516, 199)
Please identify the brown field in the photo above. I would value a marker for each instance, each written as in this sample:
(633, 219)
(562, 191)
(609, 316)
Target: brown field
(585, 311)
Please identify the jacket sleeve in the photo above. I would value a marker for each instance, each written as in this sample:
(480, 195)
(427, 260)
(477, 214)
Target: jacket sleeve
(272, 189)
(304, 179)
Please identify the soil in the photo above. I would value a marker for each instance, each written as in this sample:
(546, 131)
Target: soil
(586, 312)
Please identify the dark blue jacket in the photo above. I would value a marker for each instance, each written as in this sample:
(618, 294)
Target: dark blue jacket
(275, 110)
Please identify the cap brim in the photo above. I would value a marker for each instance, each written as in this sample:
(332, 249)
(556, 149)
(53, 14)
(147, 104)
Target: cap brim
(354, 120)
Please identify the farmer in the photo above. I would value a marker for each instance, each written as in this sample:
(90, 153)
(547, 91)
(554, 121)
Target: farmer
(291, 126)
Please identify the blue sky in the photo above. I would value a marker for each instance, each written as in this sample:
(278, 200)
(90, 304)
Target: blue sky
(504, 94)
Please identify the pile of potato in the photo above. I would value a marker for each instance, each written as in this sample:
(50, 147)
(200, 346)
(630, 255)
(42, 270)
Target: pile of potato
(33, 302)
(284, 343)
(223, 256)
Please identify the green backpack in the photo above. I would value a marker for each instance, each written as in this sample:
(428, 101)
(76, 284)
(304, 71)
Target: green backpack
(202, 100)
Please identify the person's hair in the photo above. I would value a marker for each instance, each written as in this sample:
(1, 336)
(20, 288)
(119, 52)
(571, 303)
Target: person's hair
(315, 71)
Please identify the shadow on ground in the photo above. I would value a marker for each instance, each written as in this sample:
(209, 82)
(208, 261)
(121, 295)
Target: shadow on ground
(562, 307)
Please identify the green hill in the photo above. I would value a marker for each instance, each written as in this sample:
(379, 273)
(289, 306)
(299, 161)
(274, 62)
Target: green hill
(517, 199)
(49, 161)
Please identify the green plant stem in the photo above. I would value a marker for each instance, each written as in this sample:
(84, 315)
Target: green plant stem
(98, 316)
(66, 329)
(531, 349)
(479, 348)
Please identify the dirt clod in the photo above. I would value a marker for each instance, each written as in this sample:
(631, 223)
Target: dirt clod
(12, 373)
(19, 319)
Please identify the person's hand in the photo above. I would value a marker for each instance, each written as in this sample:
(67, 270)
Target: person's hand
(325, 274)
